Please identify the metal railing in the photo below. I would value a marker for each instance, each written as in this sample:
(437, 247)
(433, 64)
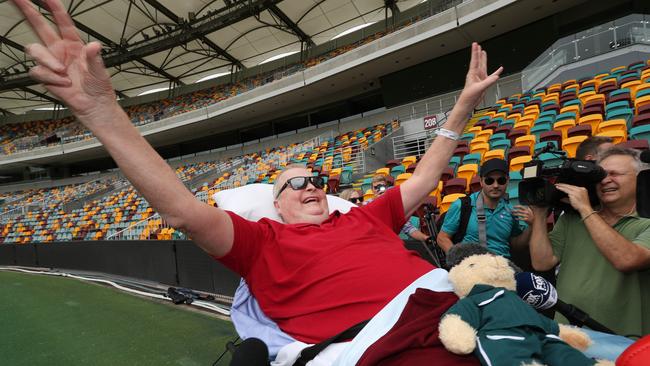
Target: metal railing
(417, 143)
(622, 32)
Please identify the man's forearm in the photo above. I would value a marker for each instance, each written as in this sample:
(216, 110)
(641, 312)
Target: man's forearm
(521, 240)
(623, 254)
(541, 251)
(444, 241)
(427, 174)
(141, 164)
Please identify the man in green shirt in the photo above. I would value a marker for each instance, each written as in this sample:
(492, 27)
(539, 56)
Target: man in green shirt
(604, 254)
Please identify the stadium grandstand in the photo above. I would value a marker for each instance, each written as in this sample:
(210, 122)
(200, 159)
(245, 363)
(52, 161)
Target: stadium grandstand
(229, 92)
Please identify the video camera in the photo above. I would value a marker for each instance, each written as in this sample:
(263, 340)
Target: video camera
(537, 187)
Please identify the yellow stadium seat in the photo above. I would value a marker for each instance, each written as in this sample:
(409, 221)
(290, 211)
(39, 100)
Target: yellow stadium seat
(402, 178)
(368, 195)
(384, 171)
(594, 97)
(571, 108)
(617, 135)
(517, 163)
(467, 171)
(475, 129)
(494, 154)
(585, 95)
(632, 85)
(570, 145)
(617, 68)
(437, 192)
(592, 120)
(564, 126)
(524, 124)
(526, 140)
(478, 141)
(485, 133)
(480, 148)
(644, 100)
(613, 125)
(448, 200)
(408, 160)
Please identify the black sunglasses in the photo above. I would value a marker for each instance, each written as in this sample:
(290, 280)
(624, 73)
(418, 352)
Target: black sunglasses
(356, 199)
(379, 187)
(298, 183)
(501, 180)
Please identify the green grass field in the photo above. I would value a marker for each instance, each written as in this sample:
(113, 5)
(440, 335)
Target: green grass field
(47, 320)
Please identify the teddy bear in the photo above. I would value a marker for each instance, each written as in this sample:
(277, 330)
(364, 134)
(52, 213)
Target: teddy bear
(490, 320)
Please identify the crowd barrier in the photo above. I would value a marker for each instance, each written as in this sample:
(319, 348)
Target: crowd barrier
(170, 262)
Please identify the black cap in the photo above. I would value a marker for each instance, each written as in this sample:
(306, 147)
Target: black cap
(493, 165)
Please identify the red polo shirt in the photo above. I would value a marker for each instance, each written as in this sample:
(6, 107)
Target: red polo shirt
(315, 281)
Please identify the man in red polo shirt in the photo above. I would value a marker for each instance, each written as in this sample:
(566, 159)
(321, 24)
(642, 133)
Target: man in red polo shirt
(315, 275)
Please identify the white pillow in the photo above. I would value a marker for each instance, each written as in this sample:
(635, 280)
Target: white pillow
(255, 201)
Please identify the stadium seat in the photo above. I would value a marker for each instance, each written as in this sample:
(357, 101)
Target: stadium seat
(467, 136)
(579, 130)
(393, 162)
(384, 171)
(479, 149)
(402, 178)
(369, 195)
(543, 145)
(474, 158)
(475, 184)
(494, 154)
(411, 168)
(551, 160)
(555, 136)
(408, 160)
(478, 141)
(516, 164)
(455, 185)
(640, 102)
(454, 162)
(515, 178)
(514, 134)
(613, 125)
(397, 170)
(640, 132)
(346, 175)
(500, 145)
(448, 200)
(635, 144)
(620, 113)
(570, 144)
(525, 125)
(642, 119)
(592, 120)
(467, 171)
(617, 135)
(447, 174)
(527, 140)
(539, 129)
(518, 151)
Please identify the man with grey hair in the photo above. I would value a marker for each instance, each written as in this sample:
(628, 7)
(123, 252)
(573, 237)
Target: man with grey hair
(316, 274)
(605, 252)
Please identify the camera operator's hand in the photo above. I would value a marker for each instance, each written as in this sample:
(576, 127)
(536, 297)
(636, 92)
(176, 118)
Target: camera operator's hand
(523, 213)
(578, 197)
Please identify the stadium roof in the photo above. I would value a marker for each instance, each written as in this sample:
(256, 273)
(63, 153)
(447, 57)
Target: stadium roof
(150, 44)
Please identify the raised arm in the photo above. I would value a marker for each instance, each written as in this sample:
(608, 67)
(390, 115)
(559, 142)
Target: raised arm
(427, 174)
(74, 73)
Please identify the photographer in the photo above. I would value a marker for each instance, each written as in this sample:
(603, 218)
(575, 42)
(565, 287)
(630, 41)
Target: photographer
(502, 227)
(604, 253)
